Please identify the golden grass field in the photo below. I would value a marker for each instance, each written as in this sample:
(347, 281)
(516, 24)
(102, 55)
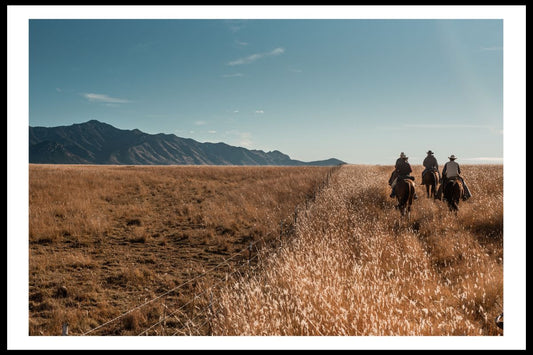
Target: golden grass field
(110, 244)
(104, 239)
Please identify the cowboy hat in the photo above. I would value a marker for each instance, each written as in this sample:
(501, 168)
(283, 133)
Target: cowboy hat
(429, 152)
(452, 157)
(402, 155)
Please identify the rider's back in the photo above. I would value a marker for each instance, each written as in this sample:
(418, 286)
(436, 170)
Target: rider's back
(452, 169)
(403, 168)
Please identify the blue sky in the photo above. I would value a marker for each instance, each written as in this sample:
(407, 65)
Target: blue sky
(361, 90)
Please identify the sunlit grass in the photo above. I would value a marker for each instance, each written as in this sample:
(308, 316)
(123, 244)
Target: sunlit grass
(355, 268)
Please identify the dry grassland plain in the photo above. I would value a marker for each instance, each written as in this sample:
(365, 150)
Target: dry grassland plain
(105, 239)
(121, 250)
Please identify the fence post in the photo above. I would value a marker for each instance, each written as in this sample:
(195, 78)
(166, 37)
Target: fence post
(210, 329)
(64, 331)
(164, 324)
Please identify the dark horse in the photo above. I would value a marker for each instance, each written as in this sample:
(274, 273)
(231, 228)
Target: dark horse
(405, 192)
(431, 179)
(453, 191)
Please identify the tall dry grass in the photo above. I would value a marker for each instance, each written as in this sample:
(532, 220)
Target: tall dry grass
(105, 239)
(354, 267)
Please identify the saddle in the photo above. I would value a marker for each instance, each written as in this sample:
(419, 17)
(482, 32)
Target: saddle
(394, 176)
(406, 177)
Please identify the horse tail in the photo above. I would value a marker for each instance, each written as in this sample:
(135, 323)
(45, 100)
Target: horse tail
(405, 191)
(435, 183)
(411, 193)
(455, 192)
(458, 190)
(407, 198)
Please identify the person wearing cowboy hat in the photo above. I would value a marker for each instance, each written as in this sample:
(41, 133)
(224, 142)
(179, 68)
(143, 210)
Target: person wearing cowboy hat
(452, 170)
(402, 169)
(430, 164)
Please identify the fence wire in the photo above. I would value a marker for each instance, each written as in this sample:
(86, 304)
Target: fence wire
(207, 312)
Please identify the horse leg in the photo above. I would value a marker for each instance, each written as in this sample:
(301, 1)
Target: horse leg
(434, 183)
(401, 206)
(453, 205)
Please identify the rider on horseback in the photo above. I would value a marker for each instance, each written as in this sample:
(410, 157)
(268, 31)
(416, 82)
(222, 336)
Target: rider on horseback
(452, 170)
(430, 164)
(402, 170)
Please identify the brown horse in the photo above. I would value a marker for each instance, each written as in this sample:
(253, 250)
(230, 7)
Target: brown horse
(453, 193)
(405, 192)
(431, 179)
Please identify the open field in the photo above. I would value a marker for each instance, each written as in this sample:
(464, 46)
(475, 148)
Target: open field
(354, 268)
(105, 239)
(123, 250)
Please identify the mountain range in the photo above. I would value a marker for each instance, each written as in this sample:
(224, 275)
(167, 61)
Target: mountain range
(95, 142)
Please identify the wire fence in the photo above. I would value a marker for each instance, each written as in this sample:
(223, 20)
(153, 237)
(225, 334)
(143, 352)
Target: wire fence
(195, 316)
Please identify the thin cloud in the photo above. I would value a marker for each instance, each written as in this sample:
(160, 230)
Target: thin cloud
(491, 49)
(254, 57)
(200, 123)
(243, 139)
(236, 75)
(444, 125)
(277, 51)
(104, 98)
(390, 128)
(433, 126)
(259, 112)
(235, 25)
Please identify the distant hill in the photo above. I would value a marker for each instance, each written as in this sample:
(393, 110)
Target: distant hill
(95, 142)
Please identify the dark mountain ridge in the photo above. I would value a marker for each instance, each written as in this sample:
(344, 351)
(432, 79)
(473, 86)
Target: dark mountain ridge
(95, 142)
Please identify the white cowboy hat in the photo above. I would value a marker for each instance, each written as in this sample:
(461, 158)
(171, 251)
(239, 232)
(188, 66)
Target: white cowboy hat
(452, 157)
